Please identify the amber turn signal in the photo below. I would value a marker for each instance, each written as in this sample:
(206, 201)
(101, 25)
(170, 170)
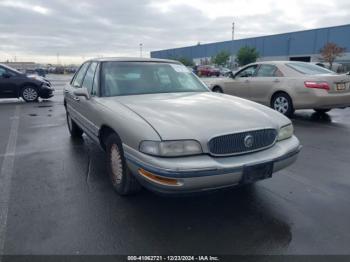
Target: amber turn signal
(158, 179)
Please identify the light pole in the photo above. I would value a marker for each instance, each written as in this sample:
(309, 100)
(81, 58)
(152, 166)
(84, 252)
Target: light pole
(233, 31)
(58, 58)
(141, 45)
(233, 38)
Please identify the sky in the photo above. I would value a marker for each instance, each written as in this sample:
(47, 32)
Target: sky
(47, 31)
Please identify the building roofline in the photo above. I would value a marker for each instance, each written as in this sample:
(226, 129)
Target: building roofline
(256, 37)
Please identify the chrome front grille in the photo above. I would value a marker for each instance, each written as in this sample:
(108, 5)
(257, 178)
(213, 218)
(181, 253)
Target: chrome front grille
(244, 142)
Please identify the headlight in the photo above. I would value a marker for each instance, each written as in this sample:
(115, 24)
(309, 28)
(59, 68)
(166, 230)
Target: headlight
(46, 85)
(171, 148)
(285, 132)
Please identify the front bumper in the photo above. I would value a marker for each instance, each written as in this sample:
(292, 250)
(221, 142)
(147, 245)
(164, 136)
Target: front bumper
(46, 92)
(204, 172)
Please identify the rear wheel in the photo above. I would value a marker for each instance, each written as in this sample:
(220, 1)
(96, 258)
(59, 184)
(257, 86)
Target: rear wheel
(74, 130)
(122, 180)
(322, 111)
(282, 103)
(217, 89)
(30, 94)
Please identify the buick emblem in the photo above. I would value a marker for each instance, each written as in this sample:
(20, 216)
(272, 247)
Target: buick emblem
(248, 141)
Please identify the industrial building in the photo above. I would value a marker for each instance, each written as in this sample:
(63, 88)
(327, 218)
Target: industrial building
(301, 46)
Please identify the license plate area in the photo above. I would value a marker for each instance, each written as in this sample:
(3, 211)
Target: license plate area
(258, 172)
(341, 86)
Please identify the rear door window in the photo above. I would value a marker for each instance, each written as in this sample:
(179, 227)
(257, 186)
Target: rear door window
(267, 71)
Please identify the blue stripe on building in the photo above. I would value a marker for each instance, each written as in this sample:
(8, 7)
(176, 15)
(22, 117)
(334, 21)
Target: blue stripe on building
(308, 43)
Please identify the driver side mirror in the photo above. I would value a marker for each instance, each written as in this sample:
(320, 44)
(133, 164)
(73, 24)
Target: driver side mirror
(232, 75)
(82, 92)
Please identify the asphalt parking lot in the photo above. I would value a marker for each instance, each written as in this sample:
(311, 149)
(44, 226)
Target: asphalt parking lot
(56, 197)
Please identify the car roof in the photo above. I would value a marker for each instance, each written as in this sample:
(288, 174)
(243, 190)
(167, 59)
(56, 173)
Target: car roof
(6, 66)
(274, 63)
(133, 59)
(280, 62)
(9, 67)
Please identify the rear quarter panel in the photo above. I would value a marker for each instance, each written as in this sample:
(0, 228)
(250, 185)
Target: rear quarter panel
(302, 97)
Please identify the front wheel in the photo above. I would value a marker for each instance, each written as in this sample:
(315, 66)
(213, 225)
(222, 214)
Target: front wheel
(74, 130)
(282, 103)
(30, 94)
(122, 180)
(322, 111)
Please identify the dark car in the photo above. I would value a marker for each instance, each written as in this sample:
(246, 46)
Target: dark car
(14, 84)
(41, 72)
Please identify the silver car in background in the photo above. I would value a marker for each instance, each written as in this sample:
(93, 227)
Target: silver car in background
(287, 86)
(162, 128)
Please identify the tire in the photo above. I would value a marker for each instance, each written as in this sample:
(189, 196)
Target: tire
(282, 103)
(123, 181)
(30, 94)
(322, 111)
(218, 89)
(74, 130)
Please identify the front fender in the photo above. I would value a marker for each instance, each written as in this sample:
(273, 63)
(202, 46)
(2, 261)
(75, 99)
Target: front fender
(131, 128)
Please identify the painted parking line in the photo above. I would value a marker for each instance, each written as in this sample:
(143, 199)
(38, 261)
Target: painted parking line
(6, 173)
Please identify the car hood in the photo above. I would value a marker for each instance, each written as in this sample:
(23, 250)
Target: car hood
(199, 115)
(38, 78)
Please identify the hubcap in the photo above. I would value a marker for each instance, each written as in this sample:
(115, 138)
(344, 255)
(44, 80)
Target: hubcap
(30, 94)
(217, 90)
(116, 165)
(281, 104)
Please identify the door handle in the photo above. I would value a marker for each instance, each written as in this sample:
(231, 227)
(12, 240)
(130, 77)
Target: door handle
(76, 98)
(247, 81)
(276, 81)
(66, 91)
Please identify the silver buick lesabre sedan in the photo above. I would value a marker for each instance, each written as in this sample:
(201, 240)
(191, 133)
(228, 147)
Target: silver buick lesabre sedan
(162, 128)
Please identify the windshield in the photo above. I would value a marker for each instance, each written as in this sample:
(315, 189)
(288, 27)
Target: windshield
(309, 69)
(134, 78)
